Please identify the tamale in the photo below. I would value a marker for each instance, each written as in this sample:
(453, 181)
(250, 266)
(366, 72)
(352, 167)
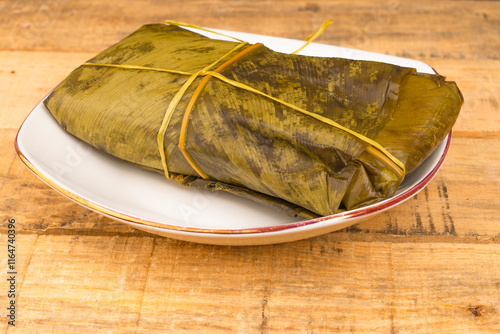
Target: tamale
(308, 135)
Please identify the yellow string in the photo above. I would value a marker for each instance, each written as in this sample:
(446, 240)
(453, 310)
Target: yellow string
(189, 25)
(175, 101)
(178, 96)
(314, 35)
(137, 67)
(166, 120)
(314, 115)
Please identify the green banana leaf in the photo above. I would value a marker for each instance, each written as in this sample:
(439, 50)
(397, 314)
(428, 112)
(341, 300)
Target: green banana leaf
(278, 138)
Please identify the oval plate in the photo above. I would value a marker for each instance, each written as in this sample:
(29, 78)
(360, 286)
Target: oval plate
(148, 201)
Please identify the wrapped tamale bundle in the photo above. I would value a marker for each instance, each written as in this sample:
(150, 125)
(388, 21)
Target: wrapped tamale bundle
(308, 135)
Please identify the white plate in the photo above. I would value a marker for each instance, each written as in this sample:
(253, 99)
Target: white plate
(148, 201)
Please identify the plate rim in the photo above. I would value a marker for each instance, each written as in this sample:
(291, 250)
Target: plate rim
(347, 215)
(356, 214)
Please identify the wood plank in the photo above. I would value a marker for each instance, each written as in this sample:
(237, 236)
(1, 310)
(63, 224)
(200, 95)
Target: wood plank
(24, 247)
(26, 77)
(385, 288)
(430, 265)
(446, 288)
(479, 84)
(7, 153)
(84, 284)
(199, 288)
(462, 200)
(37, 207)
(452, 205)
(411, 29)
(90, 284)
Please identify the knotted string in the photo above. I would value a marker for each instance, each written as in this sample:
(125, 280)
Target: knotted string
(170, 111)
(373, 148)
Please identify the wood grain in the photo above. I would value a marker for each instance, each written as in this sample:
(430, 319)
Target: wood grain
(27, 77)
(479, 84)
(441, 29)
(24, 250)
(451, 205)
(31, 77)
(430, 265)
(157, 285)
(100, 288)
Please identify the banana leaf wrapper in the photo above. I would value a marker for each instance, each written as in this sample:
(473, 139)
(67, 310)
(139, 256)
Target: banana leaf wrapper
(247, 143)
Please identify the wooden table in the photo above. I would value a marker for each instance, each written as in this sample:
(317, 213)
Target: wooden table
(430, 265)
